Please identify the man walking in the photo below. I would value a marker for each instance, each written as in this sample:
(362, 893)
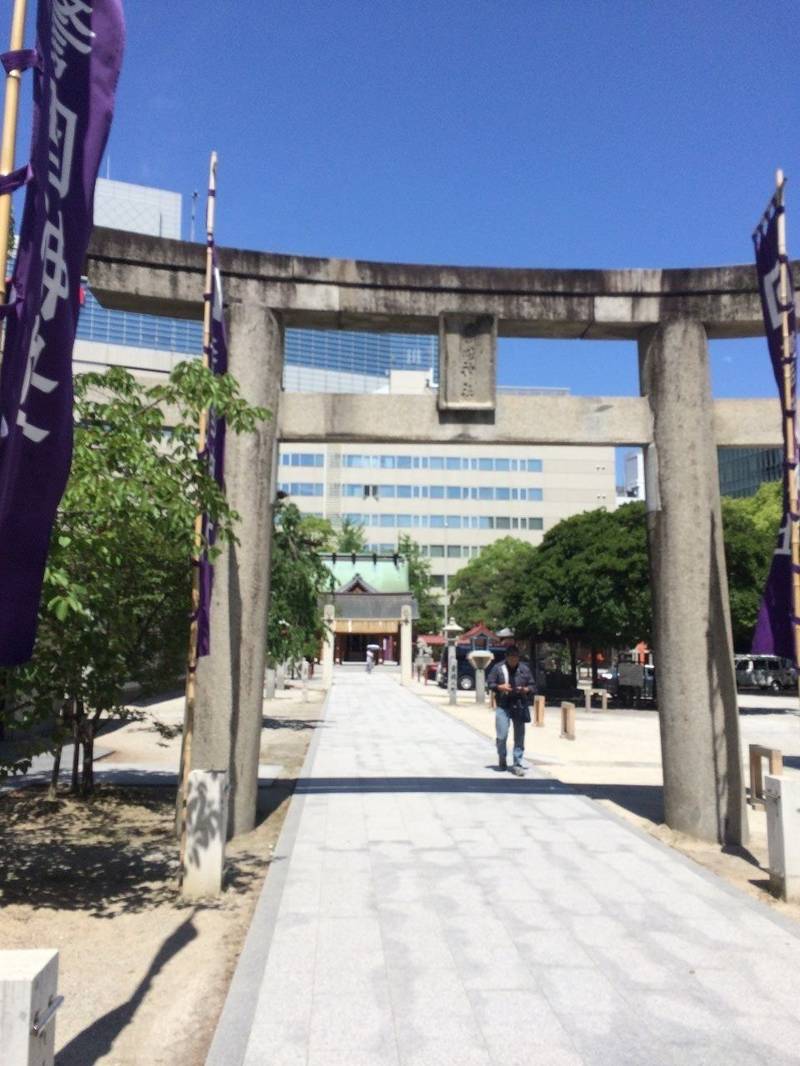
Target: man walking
(514, 688)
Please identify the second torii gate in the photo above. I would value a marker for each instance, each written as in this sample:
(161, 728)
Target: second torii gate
(670, 313)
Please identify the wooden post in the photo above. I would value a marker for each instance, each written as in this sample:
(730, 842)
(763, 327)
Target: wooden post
(757, 754)
(8, 146)
(789, 418)
(568, 720)
(191, 663)
(538, 711)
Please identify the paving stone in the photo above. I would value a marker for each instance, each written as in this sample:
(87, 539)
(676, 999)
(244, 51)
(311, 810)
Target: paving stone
(433, 912)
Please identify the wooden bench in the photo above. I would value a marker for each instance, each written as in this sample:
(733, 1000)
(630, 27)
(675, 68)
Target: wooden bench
(601, 692)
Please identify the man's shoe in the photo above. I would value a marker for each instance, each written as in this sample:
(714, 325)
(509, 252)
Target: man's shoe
(503, 765)
(517, 771)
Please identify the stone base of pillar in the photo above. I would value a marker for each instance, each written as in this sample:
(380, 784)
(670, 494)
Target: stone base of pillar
(206, 833)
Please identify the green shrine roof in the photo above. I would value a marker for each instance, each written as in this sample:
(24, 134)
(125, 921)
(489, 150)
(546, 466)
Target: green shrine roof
(365, 573)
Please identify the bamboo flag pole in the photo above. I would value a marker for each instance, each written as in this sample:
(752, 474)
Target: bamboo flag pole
(8, 145)
(191, 671)
(789, 414)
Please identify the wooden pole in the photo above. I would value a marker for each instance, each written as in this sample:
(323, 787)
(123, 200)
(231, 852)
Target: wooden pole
(789, 417)
(191, 664)
(8, 144)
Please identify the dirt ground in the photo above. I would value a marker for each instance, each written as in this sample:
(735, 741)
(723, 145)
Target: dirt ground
(143, 974)
(616, 760)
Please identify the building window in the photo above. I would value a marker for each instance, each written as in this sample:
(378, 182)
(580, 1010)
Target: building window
(404, 492)
(534, 494)
(515, 523)
(534, 466)
(502, 464)
(386, 490)
(404, 462)
(436, 462)
(501, 493)
(437, 551)
(387, 462)
(484, 522)
(452, 463)
(437, 580)
(404, 521)
(485, 464)
(485, 494)
(453, 551)
(501, 522)
(453, 492)
(535, 523)
(436, 492)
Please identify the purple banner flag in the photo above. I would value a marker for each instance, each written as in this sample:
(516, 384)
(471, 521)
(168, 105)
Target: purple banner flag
(774, 631)
(214, 455)
(77, 63)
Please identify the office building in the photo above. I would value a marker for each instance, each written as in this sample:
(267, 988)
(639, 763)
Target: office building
(742, 470)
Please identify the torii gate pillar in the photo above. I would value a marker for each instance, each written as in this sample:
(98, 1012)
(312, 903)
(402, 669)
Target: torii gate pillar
(698, 711)
(229, 707)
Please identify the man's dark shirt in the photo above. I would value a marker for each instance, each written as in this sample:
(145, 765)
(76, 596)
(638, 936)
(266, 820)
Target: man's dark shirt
(515, 703)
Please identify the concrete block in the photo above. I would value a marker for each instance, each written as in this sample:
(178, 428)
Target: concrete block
(206, 822)
(28, 1002)
(782, 798)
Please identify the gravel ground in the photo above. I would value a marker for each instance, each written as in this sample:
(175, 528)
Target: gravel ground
(144, 975)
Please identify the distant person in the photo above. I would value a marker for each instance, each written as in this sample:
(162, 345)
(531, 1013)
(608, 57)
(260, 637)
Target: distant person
(513, 686)
(370, 660)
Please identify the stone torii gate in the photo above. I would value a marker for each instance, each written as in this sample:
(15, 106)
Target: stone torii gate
(670, 313)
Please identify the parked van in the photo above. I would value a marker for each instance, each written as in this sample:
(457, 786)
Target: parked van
(765, 672)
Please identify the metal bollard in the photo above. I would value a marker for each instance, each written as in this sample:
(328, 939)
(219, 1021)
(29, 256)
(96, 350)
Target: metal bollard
(28, 1005)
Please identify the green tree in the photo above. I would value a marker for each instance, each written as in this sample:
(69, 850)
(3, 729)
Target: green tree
(419, 579)
(116, 594)
(299, 577)
(489, 588)
(590, 580)
(750, 527)
(350, 538)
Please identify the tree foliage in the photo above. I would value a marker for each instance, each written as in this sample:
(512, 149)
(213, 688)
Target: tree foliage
(490, 587)
(350, 538)
(590, 580)
(116, 595)
(419, 579)
(750, 527)
(299, 577)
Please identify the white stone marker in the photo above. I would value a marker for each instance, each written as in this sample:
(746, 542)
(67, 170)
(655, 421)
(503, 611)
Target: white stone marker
(28, 1002)
(327, 646)
(782, 800)
(206, 832)
(405, 645)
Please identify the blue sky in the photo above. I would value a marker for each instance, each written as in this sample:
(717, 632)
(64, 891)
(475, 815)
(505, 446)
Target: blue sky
(535, 133)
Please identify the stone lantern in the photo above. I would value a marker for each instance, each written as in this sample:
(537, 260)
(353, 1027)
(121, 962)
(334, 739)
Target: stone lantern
(451, 631)
(480, 659)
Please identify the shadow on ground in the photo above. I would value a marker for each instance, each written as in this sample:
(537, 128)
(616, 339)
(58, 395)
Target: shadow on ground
(97, 1040)
(295, 724)
(113, 854)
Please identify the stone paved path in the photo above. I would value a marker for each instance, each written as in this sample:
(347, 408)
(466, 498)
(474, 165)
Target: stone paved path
(436, 911)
